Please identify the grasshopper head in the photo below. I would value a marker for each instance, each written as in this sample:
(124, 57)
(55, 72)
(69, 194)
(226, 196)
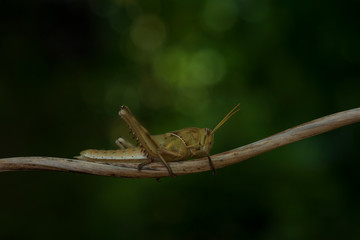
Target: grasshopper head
(206, 140)
(207, 135)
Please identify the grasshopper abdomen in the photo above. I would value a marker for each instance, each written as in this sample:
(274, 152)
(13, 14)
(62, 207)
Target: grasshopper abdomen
(120, 154)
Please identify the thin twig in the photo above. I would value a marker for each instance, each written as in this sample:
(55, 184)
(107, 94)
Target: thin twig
(157, 170)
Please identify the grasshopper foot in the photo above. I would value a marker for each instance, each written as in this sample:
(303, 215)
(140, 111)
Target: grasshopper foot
(211, 165)
(148, 161)
(143, 164)
(171, 173)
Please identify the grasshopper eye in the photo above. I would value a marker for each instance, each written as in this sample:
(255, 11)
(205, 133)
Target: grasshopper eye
(208, 131)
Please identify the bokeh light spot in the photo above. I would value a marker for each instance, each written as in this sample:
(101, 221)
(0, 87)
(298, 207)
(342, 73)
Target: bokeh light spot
(169, 65)
(148, 32)
(205, 67)
(184, 69)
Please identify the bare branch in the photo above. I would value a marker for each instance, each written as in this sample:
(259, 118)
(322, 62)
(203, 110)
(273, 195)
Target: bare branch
(157, 170)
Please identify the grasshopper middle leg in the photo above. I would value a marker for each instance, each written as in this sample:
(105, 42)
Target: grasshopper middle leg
(123, 144)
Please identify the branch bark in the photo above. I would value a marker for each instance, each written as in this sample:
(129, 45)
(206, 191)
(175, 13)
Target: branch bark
(157, 170)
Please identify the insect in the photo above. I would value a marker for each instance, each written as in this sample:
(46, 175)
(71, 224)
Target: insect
(178, 145)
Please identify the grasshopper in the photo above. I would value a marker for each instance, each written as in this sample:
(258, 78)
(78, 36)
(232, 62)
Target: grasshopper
(169, 147)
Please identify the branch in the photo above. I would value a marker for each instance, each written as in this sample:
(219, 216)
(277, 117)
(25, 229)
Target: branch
(157, 170)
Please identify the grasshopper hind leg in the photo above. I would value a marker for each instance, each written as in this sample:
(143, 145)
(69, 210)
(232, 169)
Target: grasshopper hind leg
(148, 161)
(167, 166)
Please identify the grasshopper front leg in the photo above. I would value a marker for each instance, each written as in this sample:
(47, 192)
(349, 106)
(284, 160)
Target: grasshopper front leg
(147, 143)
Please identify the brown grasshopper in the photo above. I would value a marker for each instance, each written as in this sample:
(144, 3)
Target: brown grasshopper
(169, 147)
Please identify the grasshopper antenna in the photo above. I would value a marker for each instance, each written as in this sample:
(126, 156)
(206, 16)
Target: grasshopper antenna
(229, 115)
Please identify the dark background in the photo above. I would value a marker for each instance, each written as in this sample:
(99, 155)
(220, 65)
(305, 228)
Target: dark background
(67, 67)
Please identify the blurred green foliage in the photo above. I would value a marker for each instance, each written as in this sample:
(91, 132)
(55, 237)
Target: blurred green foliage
(67, 67)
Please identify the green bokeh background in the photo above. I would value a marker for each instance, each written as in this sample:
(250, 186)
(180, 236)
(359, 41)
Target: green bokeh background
(67, 67)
